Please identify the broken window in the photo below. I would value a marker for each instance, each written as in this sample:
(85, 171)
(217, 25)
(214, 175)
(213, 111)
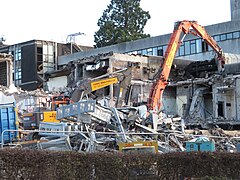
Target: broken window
(160, 51)
(204, 46)
(228, 104)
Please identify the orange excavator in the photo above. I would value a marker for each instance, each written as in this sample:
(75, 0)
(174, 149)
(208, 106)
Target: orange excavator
(181, 27)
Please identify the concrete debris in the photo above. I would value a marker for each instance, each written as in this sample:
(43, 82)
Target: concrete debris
(100, 128)
(110, 108)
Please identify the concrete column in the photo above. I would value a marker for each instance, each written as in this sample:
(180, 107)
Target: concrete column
(235, 10)
(110, 70)
(9, 72)
(76, 78)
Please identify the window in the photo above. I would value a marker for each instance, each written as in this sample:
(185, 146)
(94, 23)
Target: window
(223, 37)
(204, 46)
(181, 50)
(187, 47)
(164, 49)
(150, 51)
(18, 55)
(50, 50)
(17, 72)
(160, 51)
(229, 36)
(133, 52)
(155, 51)
(236, 35)
(216, 38)
(144, 52)
(47, 57)
(177, 53)
(193, 47)
(209, 48)
(199, 45)
(45, 49)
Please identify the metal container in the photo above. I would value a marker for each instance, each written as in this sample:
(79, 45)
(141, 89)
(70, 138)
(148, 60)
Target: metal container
(200, 144)
(8, 121)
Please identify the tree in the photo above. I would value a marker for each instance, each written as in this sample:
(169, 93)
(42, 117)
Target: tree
(122, 21)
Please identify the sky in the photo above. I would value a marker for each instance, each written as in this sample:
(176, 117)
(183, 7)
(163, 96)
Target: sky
(54, 20)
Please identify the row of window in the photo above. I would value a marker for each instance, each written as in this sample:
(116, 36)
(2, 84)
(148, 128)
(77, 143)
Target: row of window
(188, 47)
(47, 57)
(17, 71)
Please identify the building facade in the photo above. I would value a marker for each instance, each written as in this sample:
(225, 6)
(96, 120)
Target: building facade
(226, 34)
(32, 59)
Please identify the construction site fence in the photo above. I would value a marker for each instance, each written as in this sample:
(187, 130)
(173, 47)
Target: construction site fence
(17, 163)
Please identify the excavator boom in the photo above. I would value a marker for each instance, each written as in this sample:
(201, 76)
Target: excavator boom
(121, 78)
(185, 27)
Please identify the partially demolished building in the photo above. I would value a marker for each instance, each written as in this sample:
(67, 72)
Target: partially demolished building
(210, 100)
(196, 92)
(143, 69)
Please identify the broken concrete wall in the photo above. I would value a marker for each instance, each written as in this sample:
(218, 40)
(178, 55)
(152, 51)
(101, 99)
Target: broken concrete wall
(238, 99)
(224, 103)
(56, 83)
(208, 101)
(144, 70)
(231, 58)
(169, 101)
(182, 97)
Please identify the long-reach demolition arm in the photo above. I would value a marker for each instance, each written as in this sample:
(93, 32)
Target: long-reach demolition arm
(186, 27)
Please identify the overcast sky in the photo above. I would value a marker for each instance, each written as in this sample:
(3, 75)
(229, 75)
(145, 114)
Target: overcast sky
(24, 20)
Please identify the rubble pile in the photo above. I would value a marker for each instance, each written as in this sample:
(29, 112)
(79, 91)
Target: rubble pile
(104, 128)
(93, 126)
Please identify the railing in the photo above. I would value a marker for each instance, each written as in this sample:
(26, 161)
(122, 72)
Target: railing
(76, 109)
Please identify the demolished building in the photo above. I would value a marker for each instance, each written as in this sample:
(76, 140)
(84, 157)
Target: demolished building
(143, 69)
(197, 92)
(99, 125)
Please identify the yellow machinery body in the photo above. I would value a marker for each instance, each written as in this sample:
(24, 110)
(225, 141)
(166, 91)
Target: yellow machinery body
(32, 120)
(139, 146)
